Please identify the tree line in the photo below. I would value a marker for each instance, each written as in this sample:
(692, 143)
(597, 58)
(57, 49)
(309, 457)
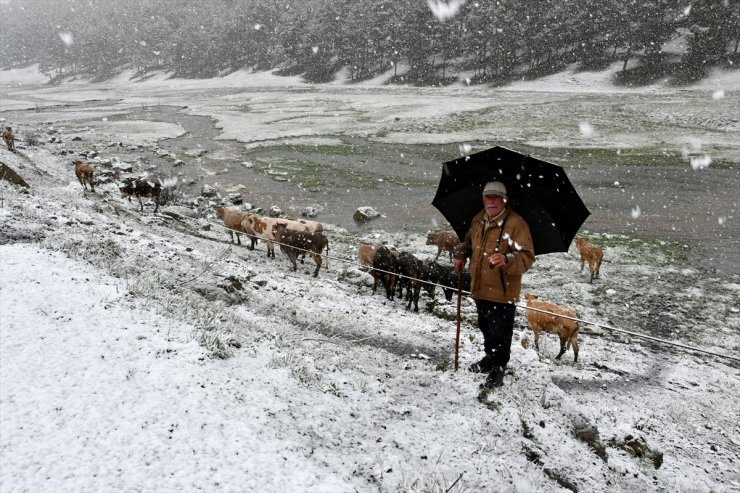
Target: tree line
(491, 41)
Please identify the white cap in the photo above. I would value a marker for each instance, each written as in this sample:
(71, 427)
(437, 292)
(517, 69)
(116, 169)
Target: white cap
(495, 188)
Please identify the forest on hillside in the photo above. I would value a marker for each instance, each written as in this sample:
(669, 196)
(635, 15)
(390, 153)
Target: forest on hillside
(423, 42)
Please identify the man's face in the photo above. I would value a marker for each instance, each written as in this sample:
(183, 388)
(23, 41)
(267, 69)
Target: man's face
(493, 204)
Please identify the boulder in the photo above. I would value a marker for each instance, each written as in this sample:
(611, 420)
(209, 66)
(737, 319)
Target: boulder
(365, 214)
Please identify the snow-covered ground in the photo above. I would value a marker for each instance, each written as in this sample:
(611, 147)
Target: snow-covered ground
(112, 321)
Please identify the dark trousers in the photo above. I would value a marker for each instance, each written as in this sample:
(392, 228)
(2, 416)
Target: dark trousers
(496, 322)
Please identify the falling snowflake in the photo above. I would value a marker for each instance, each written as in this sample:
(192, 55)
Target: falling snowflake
(718, 94)
(445, 9)
(721, 220)
(586, 129)
(66, 38)
(257, 27)
(701, 162)
(315, 49)
(636, 212)
(465, 148)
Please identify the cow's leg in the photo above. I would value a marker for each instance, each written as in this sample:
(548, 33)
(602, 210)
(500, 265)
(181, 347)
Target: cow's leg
(141, 204)
(156, 202)
(317, 259)
(238, 238)
(563, 340)
(574, 343)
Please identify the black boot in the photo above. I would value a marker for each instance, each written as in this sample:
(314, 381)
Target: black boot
(495, 378)
(483, 366)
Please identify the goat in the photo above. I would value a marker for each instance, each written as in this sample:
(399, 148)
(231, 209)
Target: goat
(592, 253)
(385, 268)
(9, 139)
(295, 243)
(234, 220)
(446, 241)
(139, 188)
(566, 329)
(84, 173)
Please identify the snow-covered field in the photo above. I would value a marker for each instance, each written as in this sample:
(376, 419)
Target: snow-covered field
(112, 321)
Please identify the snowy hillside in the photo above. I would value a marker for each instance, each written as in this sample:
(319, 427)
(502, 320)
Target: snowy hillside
(144, 352)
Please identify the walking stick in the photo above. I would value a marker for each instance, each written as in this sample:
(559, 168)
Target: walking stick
(459, 302)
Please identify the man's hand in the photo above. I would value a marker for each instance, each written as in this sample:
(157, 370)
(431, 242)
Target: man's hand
(497, 260)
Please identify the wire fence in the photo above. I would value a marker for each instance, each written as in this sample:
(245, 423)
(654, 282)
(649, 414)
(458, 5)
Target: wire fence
(520, 305)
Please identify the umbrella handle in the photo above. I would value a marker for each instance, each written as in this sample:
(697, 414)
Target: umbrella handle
(459, 302)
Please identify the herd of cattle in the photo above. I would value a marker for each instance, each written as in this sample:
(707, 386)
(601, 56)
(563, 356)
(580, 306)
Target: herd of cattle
(398, 272)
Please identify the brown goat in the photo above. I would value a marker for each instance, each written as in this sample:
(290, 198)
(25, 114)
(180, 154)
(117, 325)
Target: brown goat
(591, 253)
(446, 241)
(234, 220)
(295, 243)
(84, 173)
(566, 329)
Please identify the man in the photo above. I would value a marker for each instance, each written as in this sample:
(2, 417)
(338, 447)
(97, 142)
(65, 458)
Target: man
(500, 249)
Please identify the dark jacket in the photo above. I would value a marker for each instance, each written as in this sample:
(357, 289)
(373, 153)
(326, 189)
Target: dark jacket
(501, 284)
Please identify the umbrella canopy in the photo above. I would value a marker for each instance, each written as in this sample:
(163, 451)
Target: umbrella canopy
(538, 191)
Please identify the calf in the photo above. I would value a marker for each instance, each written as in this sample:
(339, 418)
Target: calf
(294, 243)
(139, 187)
(366, 253)
(263, 227)
(449, 279)
(591, 253)
(566, 329)
(233, 220)
(409, 277)
(9, 139)
(385, 268)
(84, 173)
(446, 241)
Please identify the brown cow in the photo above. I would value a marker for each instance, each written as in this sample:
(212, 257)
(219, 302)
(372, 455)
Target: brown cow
(366, 254)
(234, 220)
(9, 139)
(446, 241)
(84, 173)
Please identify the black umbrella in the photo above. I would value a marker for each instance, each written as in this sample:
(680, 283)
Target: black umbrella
(538, 191)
